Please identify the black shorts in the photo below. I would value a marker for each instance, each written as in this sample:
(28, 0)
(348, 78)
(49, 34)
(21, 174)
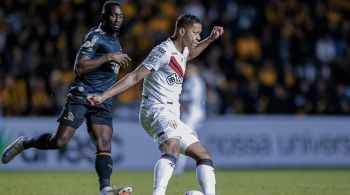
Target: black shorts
(76, 110)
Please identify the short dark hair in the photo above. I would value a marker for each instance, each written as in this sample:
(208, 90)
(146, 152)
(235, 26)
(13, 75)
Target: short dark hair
(107, 6)
(186, 20)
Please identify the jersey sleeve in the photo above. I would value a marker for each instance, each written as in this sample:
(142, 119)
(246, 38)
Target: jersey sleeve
(89, 45)
(155, 59)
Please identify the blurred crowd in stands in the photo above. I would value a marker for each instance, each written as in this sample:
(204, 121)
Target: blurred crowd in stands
(275, 57)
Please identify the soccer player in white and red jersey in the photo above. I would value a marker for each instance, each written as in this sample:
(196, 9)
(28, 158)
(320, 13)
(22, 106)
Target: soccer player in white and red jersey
(163, 71)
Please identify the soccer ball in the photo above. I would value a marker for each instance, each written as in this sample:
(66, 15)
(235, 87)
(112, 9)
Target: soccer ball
(193, 192)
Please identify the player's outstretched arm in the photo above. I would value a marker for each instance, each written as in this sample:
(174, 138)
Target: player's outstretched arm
(215, 33)
(84, 64)
(126, 82)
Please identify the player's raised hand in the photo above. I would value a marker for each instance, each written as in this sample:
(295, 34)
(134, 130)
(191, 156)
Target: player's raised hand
(216, 32)
(121, 58)
(94, 99)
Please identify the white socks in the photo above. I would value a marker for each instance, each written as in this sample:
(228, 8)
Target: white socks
(162, 173)
(206, 177)
(164, 169)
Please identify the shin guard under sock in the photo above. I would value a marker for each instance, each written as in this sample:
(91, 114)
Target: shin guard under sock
(104, 168)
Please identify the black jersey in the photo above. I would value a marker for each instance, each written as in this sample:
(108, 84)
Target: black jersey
(97, 43)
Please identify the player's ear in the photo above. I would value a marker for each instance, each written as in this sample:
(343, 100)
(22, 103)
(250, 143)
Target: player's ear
(182, 31)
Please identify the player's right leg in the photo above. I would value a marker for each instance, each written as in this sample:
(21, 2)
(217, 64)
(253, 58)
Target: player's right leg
(164, 167)
(42, 142)
(72, 116)
(161, 125)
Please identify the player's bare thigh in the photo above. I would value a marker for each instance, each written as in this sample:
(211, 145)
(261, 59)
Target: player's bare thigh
(102, 135)
(197, 151)
(171, 146)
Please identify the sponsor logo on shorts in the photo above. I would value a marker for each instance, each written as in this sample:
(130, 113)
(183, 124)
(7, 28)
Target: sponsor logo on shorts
(173, 124)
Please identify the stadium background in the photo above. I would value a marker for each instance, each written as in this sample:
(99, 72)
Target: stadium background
(276, 57)
(278, 94)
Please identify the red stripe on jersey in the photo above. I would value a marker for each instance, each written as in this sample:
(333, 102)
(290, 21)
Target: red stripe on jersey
(172, 66)
(176, 66)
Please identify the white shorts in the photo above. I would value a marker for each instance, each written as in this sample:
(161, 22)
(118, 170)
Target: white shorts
(162, 122)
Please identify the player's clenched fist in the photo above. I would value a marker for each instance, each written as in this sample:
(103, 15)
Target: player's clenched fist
(94, 99)
(216, 32)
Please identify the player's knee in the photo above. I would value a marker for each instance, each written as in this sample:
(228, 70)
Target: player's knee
(197, 151)
(61, 143)
(172, 148)
(204, 155)
(201, 155)
(104, 144)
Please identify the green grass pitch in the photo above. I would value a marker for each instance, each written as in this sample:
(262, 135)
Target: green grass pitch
(229, 182)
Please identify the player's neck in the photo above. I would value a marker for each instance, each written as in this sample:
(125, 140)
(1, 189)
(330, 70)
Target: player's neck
(108, 30)
(179, 45)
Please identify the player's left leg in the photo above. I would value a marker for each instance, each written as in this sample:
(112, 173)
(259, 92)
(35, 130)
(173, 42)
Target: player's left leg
(103, 158)
(205, 170)
(193, 120)
(190, 146)
(100, 129)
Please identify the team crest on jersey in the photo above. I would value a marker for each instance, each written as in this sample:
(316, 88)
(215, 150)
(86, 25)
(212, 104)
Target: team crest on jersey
(90, 44)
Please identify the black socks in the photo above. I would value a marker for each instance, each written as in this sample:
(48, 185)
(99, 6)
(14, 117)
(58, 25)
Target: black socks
(41, 142)
(104, 168)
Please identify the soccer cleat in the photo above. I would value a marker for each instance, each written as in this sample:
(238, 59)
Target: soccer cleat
(116, 191)
(108, 191)
(124, 191)
(13, 150)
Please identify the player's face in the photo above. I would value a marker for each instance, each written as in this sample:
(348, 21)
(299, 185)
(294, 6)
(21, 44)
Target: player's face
(114, 18)
(192, 35)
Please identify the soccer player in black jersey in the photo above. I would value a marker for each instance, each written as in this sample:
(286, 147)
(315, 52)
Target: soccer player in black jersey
(96, 68)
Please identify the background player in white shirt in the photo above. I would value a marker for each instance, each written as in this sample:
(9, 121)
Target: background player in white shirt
(193, 103)
(163, 71)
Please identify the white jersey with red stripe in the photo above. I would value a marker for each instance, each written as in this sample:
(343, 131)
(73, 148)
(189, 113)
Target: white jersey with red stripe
(164, 84)
(160, 107)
